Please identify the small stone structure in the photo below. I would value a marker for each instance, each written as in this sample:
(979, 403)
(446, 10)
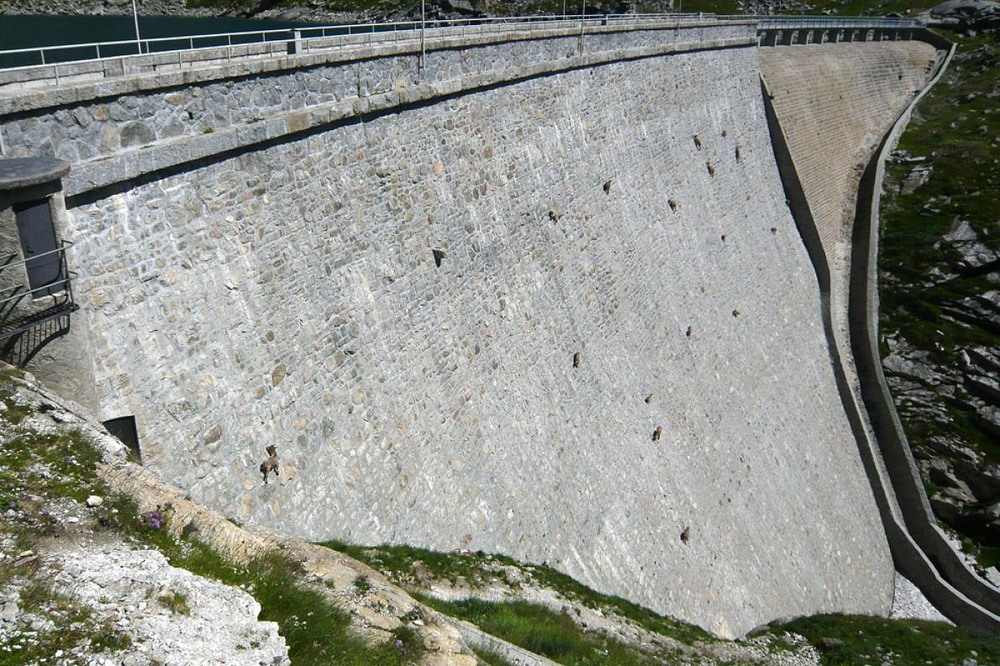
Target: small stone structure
(36, 290)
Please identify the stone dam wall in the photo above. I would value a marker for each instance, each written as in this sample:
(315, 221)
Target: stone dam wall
(555, 308)
(832, 193)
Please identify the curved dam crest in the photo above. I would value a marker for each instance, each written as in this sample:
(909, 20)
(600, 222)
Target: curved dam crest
(565, 316)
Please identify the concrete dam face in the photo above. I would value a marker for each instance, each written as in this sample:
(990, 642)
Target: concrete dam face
(563, 314)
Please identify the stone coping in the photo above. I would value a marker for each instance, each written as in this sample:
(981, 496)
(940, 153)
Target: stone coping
(20, 172)
(106, 171)
(219, 66)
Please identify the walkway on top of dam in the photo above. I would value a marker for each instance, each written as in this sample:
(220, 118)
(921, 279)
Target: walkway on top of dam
(41, 67)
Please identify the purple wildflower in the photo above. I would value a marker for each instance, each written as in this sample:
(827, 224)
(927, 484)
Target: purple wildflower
(154, 519)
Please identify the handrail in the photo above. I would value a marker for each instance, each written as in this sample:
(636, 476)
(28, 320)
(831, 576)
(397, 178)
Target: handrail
(62, 248)
(781, 21)
(147, 45)
(49, 286)
(392, 31)
(62, 282)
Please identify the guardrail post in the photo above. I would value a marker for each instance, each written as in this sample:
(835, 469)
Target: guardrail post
(423, 26)
(295, 45)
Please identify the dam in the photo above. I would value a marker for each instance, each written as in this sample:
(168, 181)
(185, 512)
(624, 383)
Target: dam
(543, 291)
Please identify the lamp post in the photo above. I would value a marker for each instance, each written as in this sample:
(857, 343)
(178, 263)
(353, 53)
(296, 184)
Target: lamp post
(135, 18)
(423, 22)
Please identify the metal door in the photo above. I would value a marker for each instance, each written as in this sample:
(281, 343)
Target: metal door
(38, 241)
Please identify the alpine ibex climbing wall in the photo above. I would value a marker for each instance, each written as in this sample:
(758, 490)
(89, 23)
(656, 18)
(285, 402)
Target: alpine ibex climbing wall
(567, 317)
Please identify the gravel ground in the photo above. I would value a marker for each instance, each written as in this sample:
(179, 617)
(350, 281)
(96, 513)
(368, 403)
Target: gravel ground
(909, 603)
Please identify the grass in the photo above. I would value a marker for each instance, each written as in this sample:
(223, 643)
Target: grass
(175, 602)
(989, 556)
(491, 657)
(543, 631)
(846, 640)
(403, 563)
(407, 566)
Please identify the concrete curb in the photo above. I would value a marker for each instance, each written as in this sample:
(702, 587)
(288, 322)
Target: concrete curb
(517, 656)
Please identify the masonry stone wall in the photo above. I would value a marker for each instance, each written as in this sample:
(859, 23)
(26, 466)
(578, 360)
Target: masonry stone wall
(838, 102)
(567, 317)
(102, 119)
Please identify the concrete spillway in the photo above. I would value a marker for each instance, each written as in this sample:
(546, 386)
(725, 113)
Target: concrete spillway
(560, 312)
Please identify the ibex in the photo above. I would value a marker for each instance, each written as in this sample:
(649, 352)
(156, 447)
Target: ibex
(270, 463)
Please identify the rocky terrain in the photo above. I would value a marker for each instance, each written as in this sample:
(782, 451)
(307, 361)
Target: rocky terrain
(106, 7)
(100, 563)
(354, 11)
(74, 592)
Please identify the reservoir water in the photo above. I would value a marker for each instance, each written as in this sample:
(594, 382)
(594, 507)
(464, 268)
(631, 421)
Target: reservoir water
(21, 32)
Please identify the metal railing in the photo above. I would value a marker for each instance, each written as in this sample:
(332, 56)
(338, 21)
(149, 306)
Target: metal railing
(13, 318)
(375, 32)
(35, 66)
(833, 22)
